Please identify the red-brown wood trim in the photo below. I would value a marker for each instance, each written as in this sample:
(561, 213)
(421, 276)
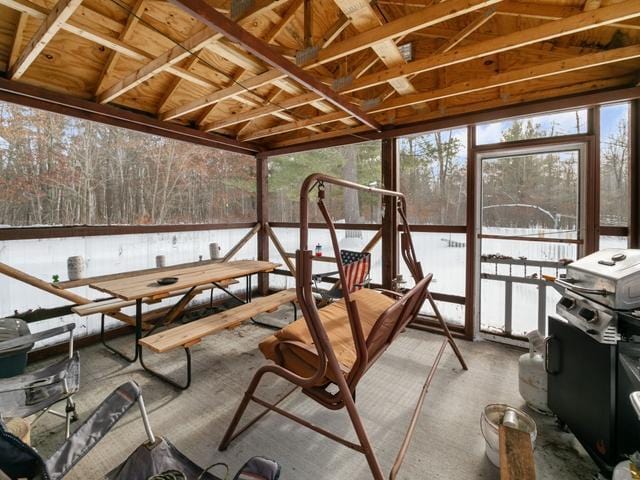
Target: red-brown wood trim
(614, 231)
(634, 176)
(390, 243)
(40, 98)
(592, 186)
(28, 233)
(470, 270)
(339, 226)
(262, 197)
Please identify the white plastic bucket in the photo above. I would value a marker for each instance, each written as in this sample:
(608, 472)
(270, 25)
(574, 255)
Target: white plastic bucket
(490, 422)
(75, 267)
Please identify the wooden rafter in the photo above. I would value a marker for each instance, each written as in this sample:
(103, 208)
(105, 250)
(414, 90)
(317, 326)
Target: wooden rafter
(51, 25)
(132, 22)
(466, 31)
(431, 16)
(577, 23)
(175, 55)
(257, 47)
(171, 57)
(175, 84)
(498, 80)
(17, 39)
(363, 17)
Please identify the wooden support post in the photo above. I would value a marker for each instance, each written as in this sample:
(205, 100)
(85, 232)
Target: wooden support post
(471, 289)
(262, 200)
(592, 187)
(390, 219)
(634, 175)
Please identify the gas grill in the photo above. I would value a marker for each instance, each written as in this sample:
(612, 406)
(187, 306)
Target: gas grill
(593, 354)
(597, 289)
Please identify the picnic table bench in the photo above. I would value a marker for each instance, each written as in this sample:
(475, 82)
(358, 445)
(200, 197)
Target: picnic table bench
(143, 286)
(192, 333)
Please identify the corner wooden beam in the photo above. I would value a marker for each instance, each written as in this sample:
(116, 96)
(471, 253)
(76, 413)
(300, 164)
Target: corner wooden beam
(126, 32)
(17, 39)
(283, 253)
(215, 20)
(468, 30)
(51, 25)
(399, 27)
(574, 24)
(243, 241)
(169, 58)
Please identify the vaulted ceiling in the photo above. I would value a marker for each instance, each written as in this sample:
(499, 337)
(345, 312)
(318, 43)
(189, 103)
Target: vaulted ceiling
(286, 72)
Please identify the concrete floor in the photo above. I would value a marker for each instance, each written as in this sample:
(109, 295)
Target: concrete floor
(448, 443)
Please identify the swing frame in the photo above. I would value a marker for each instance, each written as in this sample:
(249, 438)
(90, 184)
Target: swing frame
(399, 315)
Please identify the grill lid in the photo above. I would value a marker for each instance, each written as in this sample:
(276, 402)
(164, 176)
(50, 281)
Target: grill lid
(610, 277)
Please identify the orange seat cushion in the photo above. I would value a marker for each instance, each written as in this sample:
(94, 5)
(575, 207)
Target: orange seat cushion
(302, 361)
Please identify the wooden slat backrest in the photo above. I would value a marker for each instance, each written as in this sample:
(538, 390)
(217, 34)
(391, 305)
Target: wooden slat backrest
(395, 318)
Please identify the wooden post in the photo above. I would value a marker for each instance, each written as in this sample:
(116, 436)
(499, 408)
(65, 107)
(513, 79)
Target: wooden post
(471, 289)
(262, 207)
(592, 186)
(634, 175)
(390, 251)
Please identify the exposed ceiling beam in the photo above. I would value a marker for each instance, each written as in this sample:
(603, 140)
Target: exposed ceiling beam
(17, 39)
(80, 28)
(577, 23)
(424, 18)
(567, 26)
(215, 20)
(49, 27)
(299, 124)
(520, 75)
(250, 84)
(25, 94)
(534, 72)
(294, 102)
(176, 54)
(466, 31)
(363, 40)
(127, 31)
(171, 57)
(363, 17)
(559, 98)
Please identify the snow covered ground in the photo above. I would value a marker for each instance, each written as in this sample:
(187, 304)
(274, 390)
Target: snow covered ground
(442, 254)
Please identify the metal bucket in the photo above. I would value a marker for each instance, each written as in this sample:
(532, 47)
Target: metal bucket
(490, 422)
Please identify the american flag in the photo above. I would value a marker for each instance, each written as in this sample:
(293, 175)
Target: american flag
(356, 268)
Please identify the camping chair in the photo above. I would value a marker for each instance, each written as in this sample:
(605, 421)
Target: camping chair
(357, 267)
(36, 392)
(156, 456)
(328, 351)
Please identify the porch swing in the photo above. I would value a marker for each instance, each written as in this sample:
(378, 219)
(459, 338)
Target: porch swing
(328, 351)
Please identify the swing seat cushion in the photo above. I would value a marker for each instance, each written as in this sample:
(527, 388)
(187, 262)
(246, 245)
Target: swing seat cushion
(303, 360)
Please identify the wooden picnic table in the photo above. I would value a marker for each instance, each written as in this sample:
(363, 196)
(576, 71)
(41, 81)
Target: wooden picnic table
(143, 286)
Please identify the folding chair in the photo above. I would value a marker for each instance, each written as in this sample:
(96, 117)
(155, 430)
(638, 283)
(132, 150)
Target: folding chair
(357, 267)
(328, 351)
(36, 392)
(156, 456)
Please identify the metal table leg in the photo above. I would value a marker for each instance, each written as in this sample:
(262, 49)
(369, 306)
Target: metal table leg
(165, 378)
(138, 332)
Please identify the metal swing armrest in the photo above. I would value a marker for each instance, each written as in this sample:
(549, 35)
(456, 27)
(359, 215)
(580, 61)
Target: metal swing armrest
(32, 338)
(390, 293)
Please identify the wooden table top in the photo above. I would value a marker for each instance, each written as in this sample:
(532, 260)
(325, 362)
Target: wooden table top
(135, 286)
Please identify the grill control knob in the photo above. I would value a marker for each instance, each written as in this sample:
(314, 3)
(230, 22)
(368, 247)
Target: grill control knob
(588, 315)
(618, 257)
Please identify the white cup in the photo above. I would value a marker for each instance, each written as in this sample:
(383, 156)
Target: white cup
(161, 261)
(75, 267)
(214, 251)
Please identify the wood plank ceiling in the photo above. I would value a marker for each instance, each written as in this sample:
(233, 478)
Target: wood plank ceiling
(283, 72)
